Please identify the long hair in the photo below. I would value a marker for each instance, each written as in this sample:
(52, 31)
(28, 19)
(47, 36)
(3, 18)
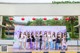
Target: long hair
(24, 33)
(62, 35)
(40, 32)
(45, 33)
(28, 34)
(31, 33)
(20, 34)
(36, 33)
(53, 34)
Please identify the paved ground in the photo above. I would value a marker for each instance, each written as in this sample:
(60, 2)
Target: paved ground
(10, 49)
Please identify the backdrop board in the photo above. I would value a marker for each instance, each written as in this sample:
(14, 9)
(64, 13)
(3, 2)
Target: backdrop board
(26, 29)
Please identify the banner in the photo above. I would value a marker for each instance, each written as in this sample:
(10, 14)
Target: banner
(26, 29)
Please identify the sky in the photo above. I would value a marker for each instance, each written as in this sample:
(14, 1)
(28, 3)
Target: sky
(29, 18)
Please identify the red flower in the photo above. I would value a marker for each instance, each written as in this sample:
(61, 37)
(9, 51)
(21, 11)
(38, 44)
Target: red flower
(44, 18)
(22, 18)
(10, 18)
(55, 18)
(67, 19)
(33, 18)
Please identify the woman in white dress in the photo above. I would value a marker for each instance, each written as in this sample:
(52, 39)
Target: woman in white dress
(49, 39)
(36, 40)
(24, 40)
(63, 43)
(45, 39)
(20, 39)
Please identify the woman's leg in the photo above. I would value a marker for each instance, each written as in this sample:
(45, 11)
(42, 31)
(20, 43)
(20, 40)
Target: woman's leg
(49, 45)
(40, 44)
(54, 45)
(36, 45)
(60, 46)
(20, 44)
(32, 45)
(29, 45)
(24, 45)
(57, 46)
(44, 45)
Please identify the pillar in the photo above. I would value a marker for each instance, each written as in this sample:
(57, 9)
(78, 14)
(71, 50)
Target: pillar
(79, 26)
(0, 27)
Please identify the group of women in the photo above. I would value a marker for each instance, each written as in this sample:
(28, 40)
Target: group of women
(46, 40)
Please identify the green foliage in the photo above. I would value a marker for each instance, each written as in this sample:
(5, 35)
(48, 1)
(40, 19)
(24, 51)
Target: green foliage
(5, 21)
(62, 22)
(50, 22)
(75, 36)
(70, 25)
(3, 33)
(39, 22)
(28, 23)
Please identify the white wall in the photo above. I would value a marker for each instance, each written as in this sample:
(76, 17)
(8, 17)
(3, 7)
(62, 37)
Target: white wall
(39, 9)
(32, 1)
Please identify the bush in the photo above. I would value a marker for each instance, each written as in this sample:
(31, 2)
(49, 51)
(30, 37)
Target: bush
(75, 36)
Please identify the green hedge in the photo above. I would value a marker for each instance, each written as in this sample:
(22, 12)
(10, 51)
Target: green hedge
(75, 36)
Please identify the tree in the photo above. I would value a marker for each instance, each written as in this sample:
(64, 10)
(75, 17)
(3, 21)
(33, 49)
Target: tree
(37, 22)
(28, 23)
(6, 21)
(70, 24)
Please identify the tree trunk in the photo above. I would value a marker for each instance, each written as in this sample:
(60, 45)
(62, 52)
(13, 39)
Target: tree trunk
(3, 29)
(72, 28)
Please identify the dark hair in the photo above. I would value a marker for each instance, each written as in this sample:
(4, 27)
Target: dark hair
(24, 33)
(31, 33)
(40, 32)
(65, 34)
(57, 33)
(45, 32)
(53, 34)
(58, 37)
(20, 34)
(28, 34)
(62, 35)
(36, 33)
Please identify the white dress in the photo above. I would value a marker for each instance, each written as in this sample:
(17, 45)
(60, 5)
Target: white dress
(37, 38)
(64, 42)
(49, 38)
(45, 38)
(20, 39)
(23, 38)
